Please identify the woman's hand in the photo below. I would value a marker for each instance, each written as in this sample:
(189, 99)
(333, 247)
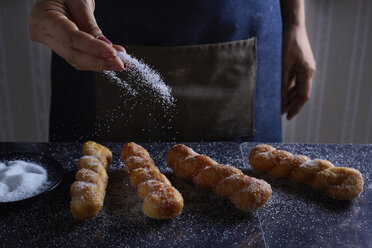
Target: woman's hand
(298, 64)
(298, 68)
(69, 28)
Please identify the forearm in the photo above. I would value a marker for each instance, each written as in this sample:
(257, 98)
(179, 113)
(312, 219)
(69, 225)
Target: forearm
(298, 64)
(293, 12)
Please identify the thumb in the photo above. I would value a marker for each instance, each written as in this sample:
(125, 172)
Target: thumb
(82, 14)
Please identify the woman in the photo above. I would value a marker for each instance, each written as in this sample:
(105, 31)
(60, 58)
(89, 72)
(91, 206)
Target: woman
(222, 59)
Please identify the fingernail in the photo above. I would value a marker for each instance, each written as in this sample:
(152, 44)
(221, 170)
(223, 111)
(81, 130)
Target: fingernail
(107, 55)
(103, 38)
(116, 68)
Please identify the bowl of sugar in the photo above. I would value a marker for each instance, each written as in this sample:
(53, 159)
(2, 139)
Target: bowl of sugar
(25, 176)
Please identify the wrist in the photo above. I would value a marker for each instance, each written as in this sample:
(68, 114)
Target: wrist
(294, 28)
(293, 13)
(294, 21)
(294, 25)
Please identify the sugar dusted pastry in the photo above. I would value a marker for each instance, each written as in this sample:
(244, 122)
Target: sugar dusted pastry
(341, 183)
(160, 199)
(247, 193)
(102, 153)
(89, 189)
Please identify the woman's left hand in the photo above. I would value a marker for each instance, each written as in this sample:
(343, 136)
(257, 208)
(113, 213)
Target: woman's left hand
(298, 68)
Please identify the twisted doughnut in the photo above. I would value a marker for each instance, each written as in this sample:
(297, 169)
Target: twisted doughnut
(103, 154)
(247, 193)
(89, 189)
(160, 199)
(337, 182)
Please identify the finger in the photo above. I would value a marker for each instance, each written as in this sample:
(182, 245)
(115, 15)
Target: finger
(291, 88)
(83, 61)
(290, 103)
(97, 47)
(292, 94)
(305, 73)
(297, 99)
(290, 99)
(303, 85)
(285, 107)
(285, 80)
(285, 94)
(67, 33)
(82, 14)
(119, 48)
(296, 106)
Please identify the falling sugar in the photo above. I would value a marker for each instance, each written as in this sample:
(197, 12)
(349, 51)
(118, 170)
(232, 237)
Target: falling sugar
(146, 78)
(114, 77)
(141, 90)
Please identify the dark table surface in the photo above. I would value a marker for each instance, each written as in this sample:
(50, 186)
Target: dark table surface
(295, 216)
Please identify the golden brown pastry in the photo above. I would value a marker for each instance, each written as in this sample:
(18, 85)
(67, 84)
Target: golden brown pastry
(247, 193)
(337, 182)
(104, 155)
(160, 199)
(89, 189)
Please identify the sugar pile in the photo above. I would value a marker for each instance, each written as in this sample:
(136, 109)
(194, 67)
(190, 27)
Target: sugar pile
(20, 179)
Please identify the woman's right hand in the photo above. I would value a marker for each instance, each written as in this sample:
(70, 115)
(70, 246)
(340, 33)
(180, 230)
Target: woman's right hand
(69, 28)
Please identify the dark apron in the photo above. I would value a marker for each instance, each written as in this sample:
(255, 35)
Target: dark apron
(214, 90)
(204, 51)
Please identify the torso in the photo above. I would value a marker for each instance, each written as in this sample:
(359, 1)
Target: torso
(176, 23)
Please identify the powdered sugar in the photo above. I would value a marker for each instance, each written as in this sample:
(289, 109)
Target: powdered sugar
(144, 76)
(80, 186)
(308, 164)
(20, 179)
(138, 95)
(114, 77)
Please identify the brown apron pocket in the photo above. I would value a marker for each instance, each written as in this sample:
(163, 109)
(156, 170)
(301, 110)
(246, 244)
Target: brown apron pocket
(213, 84)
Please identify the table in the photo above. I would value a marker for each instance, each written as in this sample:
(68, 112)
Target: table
(295, 216)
